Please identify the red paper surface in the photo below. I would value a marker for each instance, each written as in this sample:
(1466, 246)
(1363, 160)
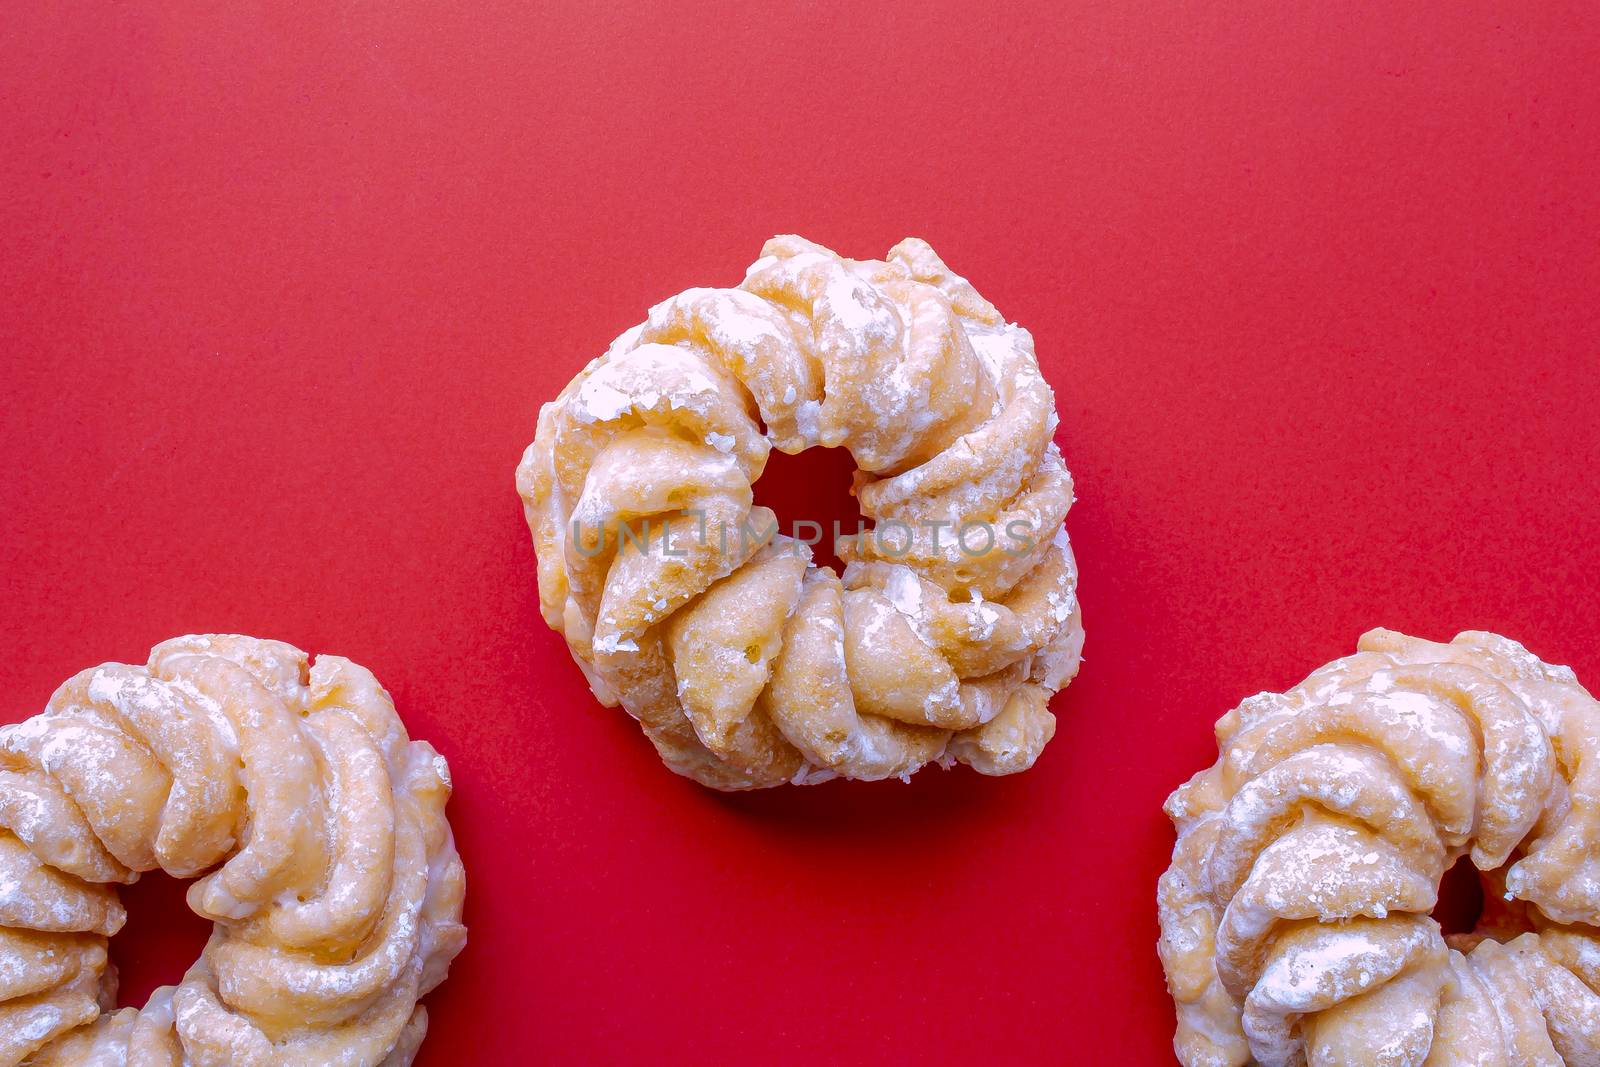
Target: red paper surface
(283, 285)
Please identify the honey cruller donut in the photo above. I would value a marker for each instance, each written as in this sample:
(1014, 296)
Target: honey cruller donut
(1295, 922)
(316, 828)
(745, 663)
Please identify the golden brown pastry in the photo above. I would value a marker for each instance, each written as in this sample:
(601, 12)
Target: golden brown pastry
(956, 617)
(1295, 922)
(316, 830)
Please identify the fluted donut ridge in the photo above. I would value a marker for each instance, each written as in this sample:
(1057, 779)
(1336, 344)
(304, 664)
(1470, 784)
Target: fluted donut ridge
(1295, 917)
(746, 664)
(315, 825)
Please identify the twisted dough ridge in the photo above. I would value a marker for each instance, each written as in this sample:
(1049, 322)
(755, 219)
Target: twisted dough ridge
(333, 877)
(746, 664)
(1295, 922)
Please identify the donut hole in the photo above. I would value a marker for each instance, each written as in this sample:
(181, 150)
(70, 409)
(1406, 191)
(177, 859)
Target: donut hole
(810, 491)
(161, 939)
(813, 487)
(1460, 903)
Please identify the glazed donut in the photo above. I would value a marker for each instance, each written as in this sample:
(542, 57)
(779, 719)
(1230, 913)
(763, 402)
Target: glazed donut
(747, 665)
(1295, 918)
(315, 827)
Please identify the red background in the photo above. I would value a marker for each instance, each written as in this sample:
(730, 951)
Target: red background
(282, 286)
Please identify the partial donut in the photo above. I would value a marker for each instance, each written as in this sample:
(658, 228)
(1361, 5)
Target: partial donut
(314, 826)
(746, 664)
(1295, 918)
